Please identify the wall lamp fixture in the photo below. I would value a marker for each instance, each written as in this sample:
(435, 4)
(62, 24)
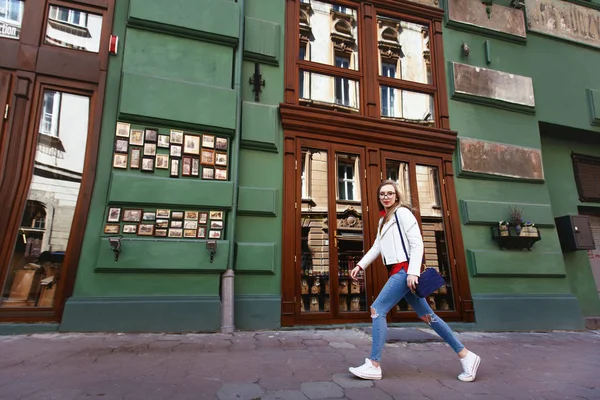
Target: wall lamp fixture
(211, 246)
(518, 4)
(115, 245)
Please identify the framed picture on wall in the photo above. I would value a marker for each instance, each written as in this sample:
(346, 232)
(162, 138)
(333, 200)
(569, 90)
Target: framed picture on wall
(208, 141)
(201, 232)
(163, 141)
(151, 135)
(191, 215)
(112, 229)
(186, 166)
(145, 230)
(195, 166)
(174, 172)
(208, 173)
(121, 146)
(221, 143)
(214, 234)
(218, 215)
(132, 215)
(114, 214)
(189, 233)
(221, 159)
(202, 218)
(175, 151)
(176, 224)
(160, 232)
(162, 161)
(176, 233)
(221, 174)
(207, 157)
(136, 155)
(162, 223)
(176, 137)
(130, 228)
(137, 137)
(177, 215)
(150, 149)
(120, 161)
(191, 144)
(147, 164)
(122, 129)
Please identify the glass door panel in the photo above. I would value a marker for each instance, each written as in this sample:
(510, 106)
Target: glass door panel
(349, 239)
(39, 251)
(315, 255)
(434, 235)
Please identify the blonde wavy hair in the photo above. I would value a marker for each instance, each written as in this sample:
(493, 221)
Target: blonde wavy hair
(399, 201)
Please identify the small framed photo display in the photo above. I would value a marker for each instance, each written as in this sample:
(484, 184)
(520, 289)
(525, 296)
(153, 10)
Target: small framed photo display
(162, 161)
(208, 173)
(190, 225)
(176, 224)
(121, 146)
(149, 216)
(221, 143)
(122, 129)
(137, 137)
(195, 166)
(176, 233)
(189, 233)
(176, 137)
(147, 164)
(130, 228)
(132, 215)
(150, 149)
(191, 215)
(174, 172)
(214, 235)
(136, 155)
(151, 135)
(163, 141)
(175, 150)
(191, 144)
(186, 166)
(202, 218)
(112, 229)
(216, 215)
(208, 141)
(207, 157)
(120, 161)
(216, 224)
(201, 232)
(162, 213)
(114, 214)
(177, 215)
(145, 230)
(221, 159)
(162, 223)
(160, 232)
(221, 174)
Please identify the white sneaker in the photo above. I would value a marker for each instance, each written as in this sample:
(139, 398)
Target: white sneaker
(367, 370)
(470, 364)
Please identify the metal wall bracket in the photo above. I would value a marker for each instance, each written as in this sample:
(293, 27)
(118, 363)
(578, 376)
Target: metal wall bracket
(257, 81)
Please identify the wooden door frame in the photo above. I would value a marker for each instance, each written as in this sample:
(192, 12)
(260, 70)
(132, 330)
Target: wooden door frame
(35, 65)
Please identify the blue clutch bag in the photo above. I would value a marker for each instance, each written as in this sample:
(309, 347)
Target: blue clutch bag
(430, 280)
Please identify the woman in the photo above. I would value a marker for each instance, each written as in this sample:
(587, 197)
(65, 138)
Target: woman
(402, 282)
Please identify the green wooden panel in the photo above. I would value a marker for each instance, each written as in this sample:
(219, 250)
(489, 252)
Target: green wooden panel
(142, 314)
(156, 54)
(475, 212)
(162, 256)
(262, 40)
(215, 20)
(159, 99)
(256, 257)
(498, 312)
(257, 201)
(260, 126)
(256, 312)
(594, 99)
(515, 263)
(145, 189)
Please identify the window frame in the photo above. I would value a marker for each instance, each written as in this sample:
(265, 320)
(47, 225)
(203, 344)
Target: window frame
(368, 59)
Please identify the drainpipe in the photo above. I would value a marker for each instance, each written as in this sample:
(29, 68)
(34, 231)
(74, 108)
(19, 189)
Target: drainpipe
(227, 279)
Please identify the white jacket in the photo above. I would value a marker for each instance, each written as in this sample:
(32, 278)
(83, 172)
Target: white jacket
(388, 243)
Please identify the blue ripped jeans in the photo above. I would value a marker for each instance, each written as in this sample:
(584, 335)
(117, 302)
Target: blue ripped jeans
(393, 291)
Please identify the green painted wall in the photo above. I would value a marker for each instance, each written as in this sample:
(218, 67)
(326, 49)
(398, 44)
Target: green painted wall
(562, 73)
(175, 70)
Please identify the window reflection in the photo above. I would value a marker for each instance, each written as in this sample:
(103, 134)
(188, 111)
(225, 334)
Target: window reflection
(407, 106)
(73, 29)
(404, 50)
(11, 18)
(323, 89)
(328, 32)
(46, 223)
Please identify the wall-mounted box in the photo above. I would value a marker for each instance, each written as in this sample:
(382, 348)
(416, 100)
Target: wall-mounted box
(575, 232)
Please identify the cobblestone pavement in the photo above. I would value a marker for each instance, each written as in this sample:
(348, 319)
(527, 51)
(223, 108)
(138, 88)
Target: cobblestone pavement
(295, 365)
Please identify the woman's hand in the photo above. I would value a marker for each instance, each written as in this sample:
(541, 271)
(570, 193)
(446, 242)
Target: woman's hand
(355, 271)
(412, 281)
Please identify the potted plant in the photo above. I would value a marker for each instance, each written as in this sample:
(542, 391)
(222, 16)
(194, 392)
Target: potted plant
(516, 215)
(503, 228)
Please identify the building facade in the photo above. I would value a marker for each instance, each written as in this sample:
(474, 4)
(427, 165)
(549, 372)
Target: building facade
(212, 165)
